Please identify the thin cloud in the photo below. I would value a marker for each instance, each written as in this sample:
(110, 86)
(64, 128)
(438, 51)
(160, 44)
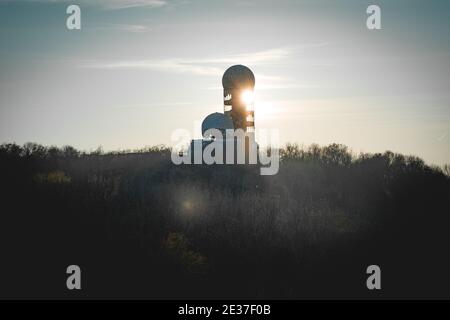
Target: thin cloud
(135, 28)
(105, 4)
(443, 136)
(125, 4)
(213, 66)
(253, 58)
(154, 104)
(168, 65)
(196, 66)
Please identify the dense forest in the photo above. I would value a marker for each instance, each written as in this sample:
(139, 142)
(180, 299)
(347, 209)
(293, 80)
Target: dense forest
(142, 227)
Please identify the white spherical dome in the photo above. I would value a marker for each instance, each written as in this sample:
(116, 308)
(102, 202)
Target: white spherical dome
(217, 120)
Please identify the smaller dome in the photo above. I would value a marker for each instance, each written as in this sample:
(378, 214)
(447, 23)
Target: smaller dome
(217, 120)
(238, 76)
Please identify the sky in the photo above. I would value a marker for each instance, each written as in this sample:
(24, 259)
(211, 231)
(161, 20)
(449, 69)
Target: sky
(140, 69)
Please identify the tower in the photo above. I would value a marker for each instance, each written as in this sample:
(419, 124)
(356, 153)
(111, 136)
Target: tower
(238, 84)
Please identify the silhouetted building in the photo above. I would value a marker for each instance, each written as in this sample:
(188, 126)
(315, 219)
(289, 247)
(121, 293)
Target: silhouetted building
(238, 84)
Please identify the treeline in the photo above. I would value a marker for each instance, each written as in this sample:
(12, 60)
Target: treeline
(333, 154)
(140, 226)
(39, 151)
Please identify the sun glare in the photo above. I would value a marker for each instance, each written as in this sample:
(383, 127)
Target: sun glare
(265, 110)
(247, 97)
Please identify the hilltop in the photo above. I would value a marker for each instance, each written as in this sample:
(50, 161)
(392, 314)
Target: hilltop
(140, 226)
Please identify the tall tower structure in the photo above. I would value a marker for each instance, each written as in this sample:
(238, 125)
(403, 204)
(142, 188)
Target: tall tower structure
(238, 84)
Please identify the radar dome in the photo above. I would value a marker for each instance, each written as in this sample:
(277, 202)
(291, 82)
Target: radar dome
(218, 121)
(238, 76)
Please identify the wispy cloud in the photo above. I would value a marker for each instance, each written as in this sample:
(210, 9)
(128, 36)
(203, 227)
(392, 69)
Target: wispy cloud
(154, 104)
(125, 4)
(204, 66)
(135, 28)
(252, 58)
(105, 4)
(212, 66)
(168, 65)
(443, 136)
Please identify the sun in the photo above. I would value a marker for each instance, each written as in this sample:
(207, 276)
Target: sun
(247, 97)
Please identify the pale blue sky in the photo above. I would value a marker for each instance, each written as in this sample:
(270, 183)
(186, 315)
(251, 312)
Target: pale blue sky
(139, 69)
